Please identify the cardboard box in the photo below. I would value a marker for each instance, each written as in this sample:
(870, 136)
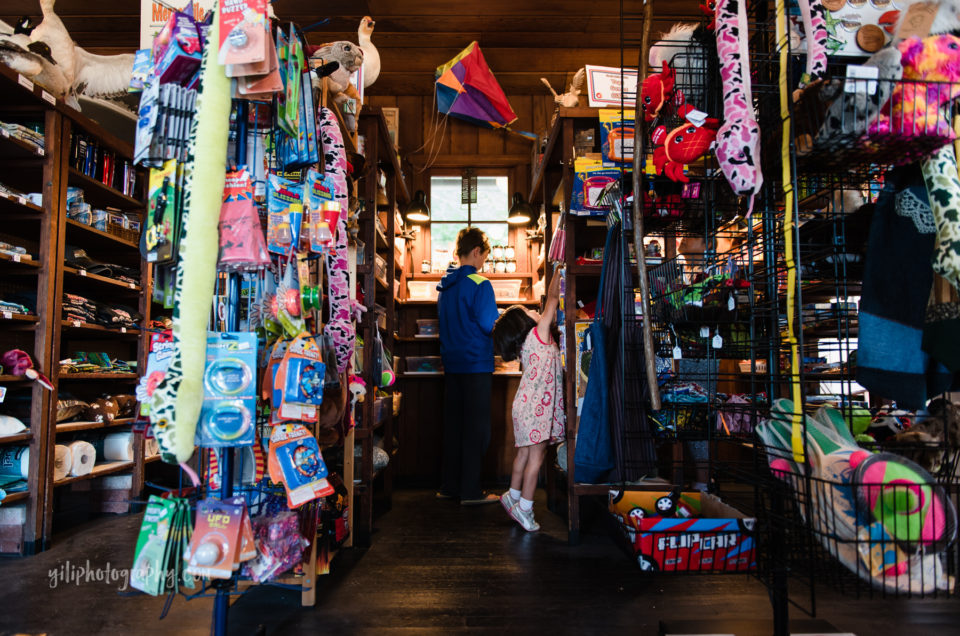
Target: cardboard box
(698, 533)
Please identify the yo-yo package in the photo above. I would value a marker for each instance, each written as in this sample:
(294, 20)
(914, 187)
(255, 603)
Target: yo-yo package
(284, 213)
(216, 538)
(305, 373)
(321, 209)
(295, 459)
(229, 390)
(242, 246)
(242, 31)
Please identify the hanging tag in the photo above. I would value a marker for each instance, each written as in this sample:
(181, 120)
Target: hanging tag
(696, 117)
(677, 353)
(731, 303)
(704, 332)
(717, 341)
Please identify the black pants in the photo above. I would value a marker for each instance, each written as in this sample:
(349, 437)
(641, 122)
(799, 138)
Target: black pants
(466, 432)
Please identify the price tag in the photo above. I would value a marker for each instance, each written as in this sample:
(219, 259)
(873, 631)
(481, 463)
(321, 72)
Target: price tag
(48, 97)
(76, 323)
(123, 330)
(677, 353)
(7, 315)
(16, 258)
(731, 303)
(25, 82)
(22, 200)
(717, 341)
(132, 285)
(82, 272)
(3, 131)
(40, 151)
(3, 393)
(704, 332)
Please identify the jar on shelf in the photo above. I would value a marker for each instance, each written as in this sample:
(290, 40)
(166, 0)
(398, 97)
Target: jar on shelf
(488, 266)
(510, 252)
(425, 267)
(511, 265)
(501, 266)
(498, 252)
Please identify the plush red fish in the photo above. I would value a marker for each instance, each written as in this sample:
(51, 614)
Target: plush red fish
(656, 90)
(682, 145)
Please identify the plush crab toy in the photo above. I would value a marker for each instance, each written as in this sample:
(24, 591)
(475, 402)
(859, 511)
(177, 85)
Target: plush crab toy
(656, 90)
(682, 145)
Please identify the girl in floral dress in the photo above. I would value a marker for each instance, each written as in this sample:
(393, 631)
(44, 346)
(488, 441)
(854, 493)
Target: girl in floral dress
(538, 407)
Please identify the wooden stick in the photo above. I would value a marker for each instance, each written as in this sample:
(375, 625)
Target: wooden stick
(638, 233)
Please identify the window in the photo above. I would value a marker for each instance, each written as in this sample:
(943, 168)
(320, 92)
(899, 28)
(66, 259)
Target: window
(448, 215)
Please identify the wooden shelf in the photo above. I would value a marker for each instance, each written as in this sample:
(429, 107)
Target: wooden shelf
(25, 436)
(13, 204)
(11, 317)
(100, 192)
(151, 459)
(503, 301)
(421, 374)
(12, 378)
(14, 497)
(71, 427)
(399, 338)
(99, 470)
(98, 376)
(18, 260)
(490, 275)
(13, 148)
(113, 282)
(70, 325)
(91, 235)
(584, 270)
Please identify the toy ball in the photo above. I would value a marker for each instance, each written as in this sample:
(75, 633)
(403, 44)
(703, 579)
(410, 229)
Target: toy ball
(387, 378)
(274, 306)
(207, 553)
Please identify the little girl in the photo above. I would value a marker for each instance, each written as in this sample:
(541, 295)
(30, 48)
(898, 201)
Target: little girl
(538, 408)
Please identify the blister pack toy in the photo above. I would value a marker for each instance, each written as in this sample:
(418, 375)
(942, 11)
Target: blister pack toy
(161, 215)
(242, 246)
(216, 539)
(285, 213)
(616, 136)
(229, 387)
(295, 461)
(322, 211)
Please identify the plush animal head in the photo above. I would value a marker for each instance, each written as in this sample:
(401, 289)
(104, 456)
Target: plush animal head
(709, 10)
(358, 388)
(347, 53)
(656, 90)
(935, 58)
(366, 26)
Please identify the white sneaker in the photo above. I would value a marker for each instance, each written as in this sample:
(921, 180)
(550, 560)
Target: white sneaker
(524, 518)
(507, 501)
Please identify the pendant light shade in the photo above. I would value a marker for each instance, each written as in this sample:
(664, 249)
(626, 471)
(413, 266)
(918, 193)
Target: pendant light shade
(520, 211)
(417, 210)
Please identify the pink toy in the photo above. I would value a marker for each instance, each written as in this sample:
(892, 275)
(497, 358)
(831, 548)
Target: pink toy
(916, 108)
(738, 140)
(18, 362)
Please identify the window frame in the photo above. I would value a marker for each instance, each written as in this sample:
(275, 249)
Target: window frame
(480, 172)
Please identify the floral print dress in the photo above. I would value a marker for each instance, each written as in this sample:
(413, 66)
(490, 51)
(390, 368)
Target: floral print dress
(538, 409)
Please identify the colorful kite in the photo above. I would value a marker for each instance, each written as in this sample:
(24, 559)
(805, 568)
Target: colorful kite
(467, 89)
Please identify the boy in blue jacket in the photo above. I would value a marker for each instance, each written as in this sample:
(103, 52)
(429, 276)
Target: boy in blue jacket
(467, 309)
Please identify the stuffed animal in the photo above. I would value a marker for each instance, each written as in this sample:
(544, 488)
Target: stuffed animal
(738, 140)
(682, 145)
(350, 58)
(656, 90)
(19, 362)
(371, 57)
(572, 97)
(917, 108)
(47, 54)
(103, 410)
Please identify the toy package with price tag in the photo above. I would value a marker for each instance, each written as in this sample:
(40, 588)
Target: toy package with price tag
(285, 214)
(216, 539)
(229, 383)
(590, 177)
(294, 460)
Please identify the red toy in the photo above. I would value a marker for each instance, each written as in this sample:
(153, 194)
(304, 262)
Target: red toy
(709, 9)
(18, 362)
(682, 145)
(656, 90)
(666, 206)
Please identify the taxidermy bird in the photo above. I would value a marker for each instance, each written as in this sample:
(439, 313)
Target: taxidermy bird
(572, 97)
(371, 57)
(82, 72)
(33, 60)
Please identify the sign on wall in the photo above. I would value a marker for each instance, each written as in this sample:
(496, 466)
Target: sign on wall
(154, 14)
(605, 86)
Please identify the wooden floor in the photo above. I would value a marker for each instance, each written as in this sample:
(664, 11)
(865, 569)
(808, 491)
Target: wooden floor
(434, 567)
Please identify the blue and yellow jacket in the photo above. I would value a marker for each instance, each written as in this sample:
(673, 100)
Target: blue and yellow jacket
(467, 309)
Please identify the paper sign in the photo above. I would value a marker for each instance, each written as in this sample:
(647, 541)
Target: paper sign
(23, 81)
(605, 87)
(48, 97)
(918, 20)
(860, 79)
(154, 15)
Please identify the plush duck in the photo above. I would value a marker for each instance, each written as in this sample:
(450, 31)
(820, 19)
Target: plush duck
(371, 57)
